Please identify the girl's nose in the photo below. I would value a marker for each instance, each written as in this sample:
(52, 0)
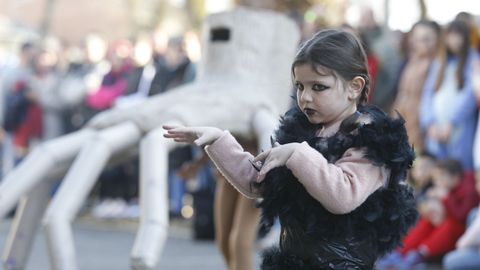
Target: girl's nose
(306, 96)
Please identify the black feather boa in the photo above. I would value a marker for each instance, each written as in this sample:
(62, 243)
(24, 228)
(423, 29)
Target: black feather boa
(314, 238)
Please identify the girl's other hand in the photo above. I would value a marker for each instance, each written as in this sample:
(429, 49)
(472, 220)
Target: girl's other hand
(273, 158)
(199, 136)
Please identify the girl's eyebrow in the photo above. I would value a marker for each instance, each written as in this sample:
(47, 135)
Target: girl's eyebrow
(311, 82)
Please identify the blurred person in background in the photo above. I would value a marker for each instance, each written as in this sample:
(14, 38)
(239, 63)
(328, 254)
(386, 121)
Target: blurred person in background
(448, 108)
(157, 72)
(86, 67)
(383, 43)
(469, 19)
(114, 83)
(467, 254)
(421, 175)
(73, 85)
(15, 85)
(59, 80)
(23, 115)
(423, 42)
(46, 84)
(443, 211)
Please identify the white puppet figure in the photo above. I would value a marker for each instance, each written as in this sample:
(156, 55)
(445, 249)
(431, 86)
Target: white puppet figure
(244, 83)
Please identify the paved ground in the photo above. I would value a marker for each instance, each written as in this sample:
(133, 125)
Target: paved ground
(106, 246)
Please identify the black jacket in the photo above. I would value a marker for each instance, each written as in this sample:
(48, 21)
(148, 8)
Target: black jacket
(314, 238)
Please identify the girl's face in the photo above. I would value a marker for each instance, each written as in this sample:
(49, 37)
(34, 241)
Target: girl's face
(423, 40)
(322, 97)
(454, 42)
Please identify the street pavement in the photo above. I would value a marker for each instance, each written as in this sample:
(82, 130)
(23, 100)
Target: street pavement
(105, 245)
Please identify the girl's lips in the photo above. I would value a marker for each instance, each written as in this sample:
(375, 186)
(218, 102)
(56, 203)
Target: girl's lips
(309, 111)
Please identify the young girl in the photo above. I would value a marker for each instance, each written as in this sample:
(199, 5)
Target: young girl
(335, 176)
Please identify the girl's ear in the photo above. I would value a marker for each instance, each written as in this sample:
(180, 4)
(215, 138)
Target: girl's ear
(355, 87)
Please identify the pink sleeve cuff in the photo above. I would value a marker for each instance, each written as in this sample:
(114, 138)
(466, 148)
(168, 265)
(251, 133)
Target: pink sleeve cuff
(233, 162)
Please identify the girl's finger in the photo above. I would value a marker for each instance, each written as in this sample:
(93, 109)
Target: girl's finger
(170, 136)
(260, 178)
(262, 156)
(268, 164)
(179, 131)
(265, 169)
(201, 141)
(169, 127)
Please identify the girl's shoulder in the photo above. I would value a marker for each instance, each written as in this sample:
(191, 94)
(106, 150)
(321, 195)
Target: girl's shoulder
(385, 138)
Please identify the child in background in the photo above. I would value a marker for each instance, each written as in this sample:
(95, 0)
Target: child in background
(421, 175)
(467, 254)
(443, 216)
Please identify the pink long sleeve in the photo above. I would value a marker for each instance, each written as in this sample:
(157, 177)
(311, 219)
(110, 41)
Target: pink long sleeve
(339, 187)
(233, 162)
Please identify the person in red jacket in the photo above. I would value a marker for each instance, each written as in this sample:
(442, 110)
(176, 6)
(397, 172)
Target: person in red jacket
(443, 215)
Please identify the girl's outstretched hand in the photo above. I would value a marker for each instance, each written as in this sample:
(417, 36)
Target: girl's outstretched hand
(199, 136)
(273, 158)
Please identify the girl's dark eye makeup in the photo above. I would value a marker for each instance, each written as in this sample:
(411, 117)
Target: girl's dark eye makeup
(299, 86)
(319, 87)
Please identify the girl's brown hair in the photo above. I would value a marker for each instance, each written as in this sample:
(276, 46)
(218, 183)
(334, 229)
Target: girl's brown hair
(339, 51)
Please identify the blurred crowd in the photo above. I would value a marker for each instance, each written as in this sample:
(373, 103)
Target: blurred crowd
(436, 90)
(48, 90)
(429, 75)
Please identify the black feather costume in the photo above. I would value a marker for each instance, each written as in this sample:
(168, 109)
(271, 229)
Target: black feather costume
(314, 238)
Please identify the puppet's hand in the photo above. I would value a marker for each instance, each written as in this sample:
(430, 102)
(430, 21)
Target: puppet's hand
(199, 136)
(273, 158)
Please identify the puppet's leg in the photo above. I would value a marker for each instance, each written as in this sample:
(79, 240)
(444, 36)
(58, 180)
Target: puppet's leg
(38, 165)
(153, 229)
(25, 226)
(76, 186)
(33, 177)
